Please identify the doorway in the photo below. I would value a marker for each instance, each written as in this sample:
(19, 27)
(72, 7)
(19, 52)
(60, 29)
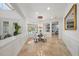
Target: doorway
(55, 29)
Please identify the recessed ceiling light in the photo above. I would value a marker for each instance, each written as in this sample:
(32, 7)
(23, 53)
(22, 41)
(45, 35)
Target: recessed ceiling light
(51, 17)
(37, 13)
(48, 8)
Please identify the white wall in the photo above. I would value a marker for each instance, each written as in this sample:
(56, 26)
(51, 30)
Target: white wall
(60, 28)
(11, 17)
(0, 27)
(11, 26)
(70, 37)
(12, 45)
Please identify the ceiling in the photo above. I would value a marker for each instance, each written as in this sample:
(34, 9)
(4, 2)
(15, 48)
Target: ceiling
(47, 10)
(6, 11)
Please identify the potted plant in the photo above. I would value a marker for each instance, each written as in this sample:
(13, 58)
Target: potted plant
(17, 28)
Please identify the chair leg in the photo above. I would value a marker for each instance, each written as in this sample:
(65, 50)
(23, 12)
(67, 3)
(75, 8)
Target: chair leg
(35, 41)
(44, 40)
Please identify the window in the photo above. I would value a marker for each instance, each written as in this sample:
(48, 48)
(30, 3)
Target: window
(47, 27)
(5, 27)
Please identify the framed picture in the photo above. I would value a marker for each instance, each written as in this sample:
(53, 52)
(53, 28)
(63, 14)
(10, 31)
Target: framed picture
(70, 19)
(32, 28)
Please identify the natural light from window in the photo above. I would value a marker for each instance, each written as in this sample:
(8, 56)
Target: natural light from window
(4, 6)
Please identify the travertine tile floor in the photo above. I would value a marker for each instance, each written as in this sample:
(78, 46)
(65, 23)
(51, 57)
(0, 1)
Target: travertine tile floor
(53, 47)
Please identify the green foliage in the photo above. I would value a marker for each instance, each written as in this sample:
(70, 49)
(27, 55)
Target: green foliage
(17, 27)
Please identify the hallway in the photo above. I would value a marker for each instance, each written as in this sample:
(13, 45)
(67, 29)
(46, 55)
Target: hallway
(53, 47)
(23, 23)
